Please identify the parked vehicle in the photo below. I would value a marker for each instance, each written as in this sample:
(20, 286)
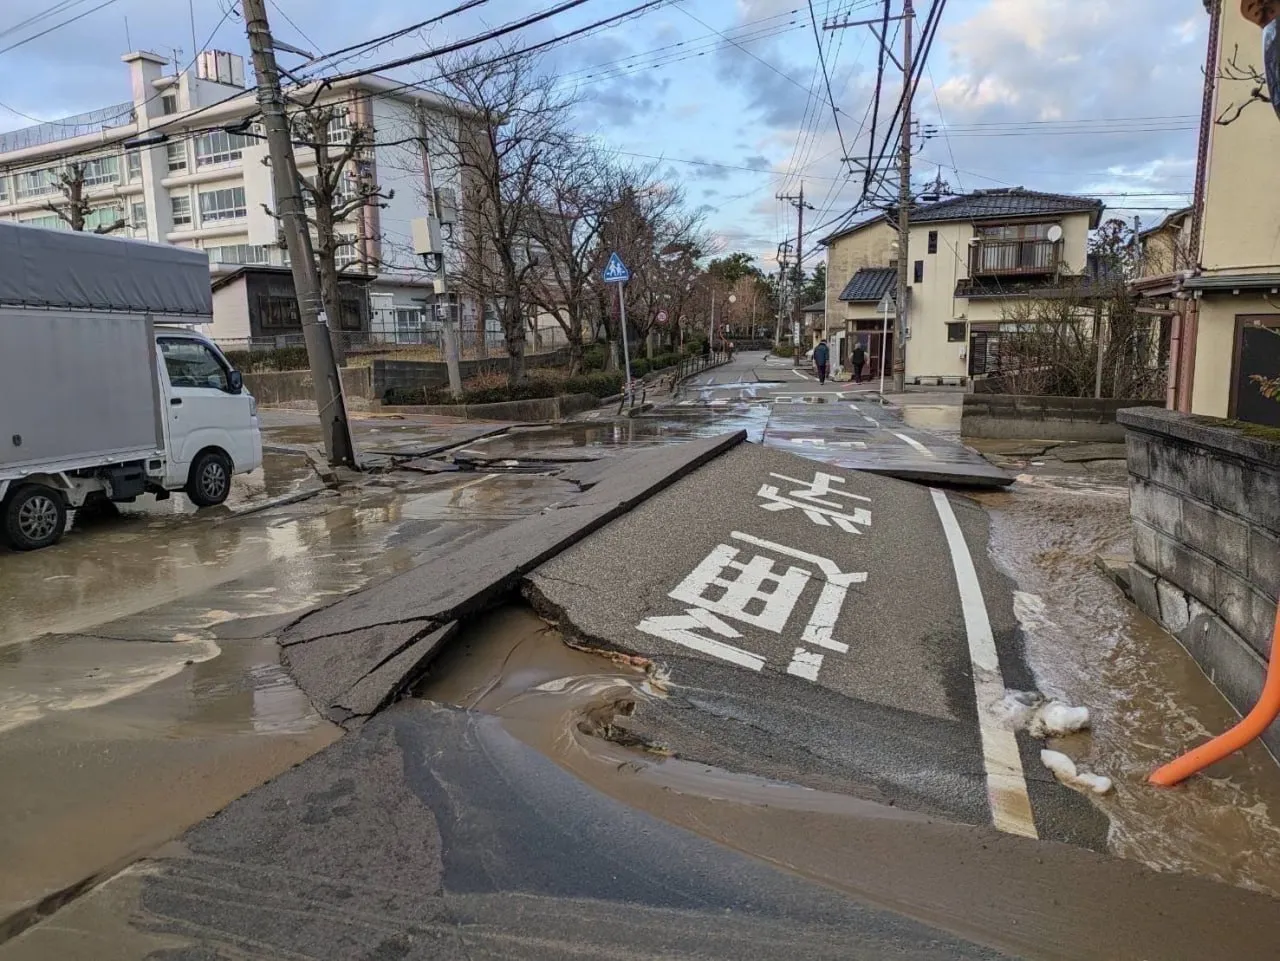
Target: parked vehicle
(106, 393)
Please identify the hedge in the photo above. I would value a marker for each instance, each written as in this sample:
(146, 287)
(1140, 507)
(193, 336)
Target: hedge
(599, 383)
(278, 358)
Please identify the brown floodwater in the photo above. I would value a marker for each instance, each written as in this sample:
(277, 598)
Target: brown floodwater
(1032, 899)
(1149, 700)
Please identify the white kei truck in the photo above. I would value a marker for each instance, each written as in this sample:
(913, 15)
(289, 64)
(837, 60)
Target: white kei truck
(107, 391)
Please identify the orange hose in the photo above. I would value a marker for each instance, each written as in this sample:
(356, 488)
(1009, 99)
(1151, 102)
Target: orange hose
(1257, 721)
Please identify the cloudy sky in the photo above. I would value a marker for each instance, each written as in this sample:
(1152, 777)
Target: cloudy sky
(1089, 96)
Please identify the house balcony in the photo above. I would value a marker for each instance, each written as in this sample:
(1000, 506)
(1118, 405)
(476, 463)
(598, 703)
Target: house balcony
(1014, 258)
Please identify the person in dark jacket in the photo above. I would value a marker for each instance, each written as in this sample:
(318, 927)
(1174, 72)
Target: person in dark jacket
(821, 360)
(859, 360)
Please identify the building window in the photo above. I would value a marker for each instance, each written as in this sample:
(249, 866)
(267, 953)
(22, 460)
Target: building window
(103, 217)
(339, 128)
(279, 311)
(222, 205)
(4, 189)
(238, 254)
(919, 272)
(101, 170)
(138, 214)
(176, 153)
(180, 208)
(347, 251)
(48, 222)
(133, 163)
(933, 241)
(219, 147)
(956, 332)
(169, 103)
(35, 183)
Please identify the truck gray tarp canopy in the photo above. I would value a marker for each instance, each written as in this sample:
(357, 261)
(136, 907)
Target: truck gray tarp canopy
(83, 271)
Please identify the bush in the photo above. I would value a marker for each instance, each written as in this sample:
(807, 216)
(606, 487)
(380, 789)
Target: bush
(599, 383)
(595, 357)
(663, 361)
(783, 350)
(260, 361)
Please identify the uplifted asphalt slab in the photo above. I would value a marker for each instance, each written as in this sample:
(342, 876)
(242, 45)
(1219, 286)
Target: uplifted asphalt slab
(433, 835)
(862, 435)
(354, 656)
(840, 423)
(816, 630)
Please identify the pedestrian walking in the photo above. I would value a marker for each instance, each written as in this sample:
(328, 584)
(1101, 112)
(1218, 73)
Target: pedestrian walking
(859, 361)
(821, 358)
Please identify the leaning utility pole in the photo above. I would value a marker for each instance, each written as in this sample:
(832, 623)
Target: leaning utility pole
(797, 201)
(901, 315)
(288, 202)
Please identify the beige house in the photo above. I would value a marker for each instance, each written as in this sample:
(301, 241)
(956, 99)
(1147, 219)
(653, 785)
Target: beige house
(1225, 301)
(972, 257)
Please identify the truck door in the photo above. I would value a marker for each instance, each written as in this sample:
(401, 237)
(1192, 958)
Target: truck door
(202, 411)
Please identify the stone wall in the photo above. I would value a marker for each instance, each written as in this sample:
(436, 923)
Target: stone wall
(1021, 417)
(425, 373)
(1205, 504)
(294, 385)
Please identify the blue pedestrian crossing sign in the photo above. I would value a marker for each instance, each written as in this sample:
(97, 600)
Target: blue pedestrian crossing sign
(616, 272)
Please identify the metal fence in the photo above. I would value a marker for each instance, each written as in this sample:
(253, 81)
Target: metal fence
(417, 343)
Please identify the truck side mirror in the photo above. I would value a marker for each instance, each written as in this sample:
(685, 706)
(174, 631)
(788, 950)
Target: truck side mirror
(235, 381)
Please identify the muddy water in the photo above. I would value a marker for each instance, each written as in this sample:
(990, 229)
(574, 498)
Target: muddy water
(1030, 899)
(137, 692)
(1149, 700)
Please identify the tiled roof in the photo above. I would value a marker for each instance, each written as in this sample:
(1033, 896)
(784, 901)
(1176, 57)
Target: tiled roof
(869, 284)
(817, 307)
(1003, 203)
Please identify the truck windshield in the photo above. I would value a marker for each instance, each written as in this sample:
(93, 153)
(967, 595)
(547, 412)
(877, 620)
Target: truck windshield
(191, 363)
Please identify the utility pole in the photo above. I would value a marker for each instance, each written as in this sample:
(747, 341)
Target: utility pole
(797, 201)
(284, 177)
(902, 314)
(783, 249)
(902, 311)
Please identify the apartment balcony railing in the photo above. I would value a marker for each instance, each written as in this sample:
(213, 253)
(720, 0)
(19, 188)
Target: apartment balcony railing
(1005, 258)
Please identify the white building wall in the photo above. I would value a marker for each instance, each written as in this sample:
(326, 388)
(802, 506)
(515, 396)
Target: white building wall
(230, 314)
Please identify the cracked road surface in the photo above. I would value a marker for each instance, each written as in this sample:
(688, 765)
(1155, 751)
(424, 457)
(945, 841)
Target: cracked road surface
(140, 689)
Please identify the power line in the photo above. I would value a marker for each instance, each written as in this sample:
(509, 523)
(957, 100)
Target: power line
(61, 7)
(826, 77)
(57, 26)
(367, 46)
(494, 34)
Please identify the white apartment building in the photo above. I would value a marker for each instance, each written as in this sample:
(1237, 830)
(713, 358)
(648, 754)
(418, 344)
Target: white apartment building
(209, 188)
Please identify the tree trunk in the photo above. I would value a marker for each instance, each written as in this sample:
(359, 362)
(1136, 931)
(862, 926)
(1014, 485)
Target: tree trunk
(513, 330)
(330, 297)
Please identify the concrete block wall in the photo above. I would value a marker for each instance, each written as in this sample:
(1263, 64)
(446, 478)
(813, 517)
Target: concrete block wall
(281, 387)
(1205, 507)
(409, 374)
(1022, 417)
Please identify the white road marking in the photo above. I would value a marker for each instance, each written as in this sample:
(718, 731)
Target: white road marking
(912, 443)
(805, 664)
(679, 630)
(1006, 784)
(478, 480)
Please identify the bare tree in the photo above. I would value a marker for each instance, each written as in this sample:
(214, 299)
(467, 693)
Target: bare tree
(564, 232)
(1246, 73)
(336, 194)
(75, 208)
(510, 122)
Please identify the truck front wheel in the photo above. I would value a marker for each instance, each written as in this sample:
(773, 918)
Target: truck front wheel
(209, 482)
(35, 516)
